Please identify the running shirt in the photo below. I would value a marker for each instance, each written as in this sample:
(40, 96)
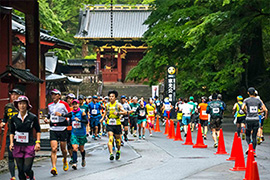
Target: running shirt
(253, 105)
(126, 107)
(186, 109)
(203, 115)
(23, 130)
(58, 123)
(134, 107)
(112, 118)
(94, 109)
(141, 112)
(178, 106)
(150, 109)
(84, 108)
(9, 112)
(193, 106)
(238, 106)
(167, 106)
(78, 127)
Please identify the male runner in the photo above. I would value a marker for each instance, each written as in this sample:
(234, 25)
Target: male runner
(124, 119)
(203, 116)
(95, 116)
(133, 117)
(113, 111)
(240, 117)
(193, 114)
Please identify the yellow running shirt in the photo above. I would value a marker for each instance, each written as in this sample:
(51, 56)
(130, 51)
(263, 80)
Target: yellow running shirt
(150, 109)
(112, 118)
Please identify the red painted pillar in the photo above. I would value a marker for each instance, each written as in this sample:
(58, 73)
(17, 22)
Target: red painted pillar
(98, 64)
(119, 67)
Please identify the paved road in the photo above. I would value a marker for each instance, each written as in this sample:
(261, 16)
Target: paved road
(157, 158)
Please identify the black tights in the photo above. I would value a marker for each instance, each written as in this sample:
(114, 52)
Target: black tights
(25, 167)
(254, 137)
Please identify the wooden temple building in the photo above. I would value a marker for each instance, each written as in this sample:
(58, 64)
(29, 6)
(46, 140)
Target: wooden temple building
(119, 45)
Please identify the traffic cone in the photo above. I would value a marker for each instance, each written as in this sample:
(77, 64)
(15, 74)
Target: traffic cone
(255, 171)
(172, 130)
(199, 143)
(178, 133)
(157, 125)
(189, 137)
(234, 150)
(250, 160)
(221, 144)
(147, 125)
(167, 127)
(239, 164)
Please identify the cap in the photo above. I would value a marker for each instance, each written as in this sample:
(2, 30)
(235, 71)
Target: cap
(123, 97)
(191, 98)
(19, 92)
(55, 91)
(95, 97)
(100, 97)
(89, 97)
(106, 97)
(251, 90)
(23, 98)
(75, 101)
(71, 95)
(81, 97)
(135, 98)
(239, 98)
(219, 96)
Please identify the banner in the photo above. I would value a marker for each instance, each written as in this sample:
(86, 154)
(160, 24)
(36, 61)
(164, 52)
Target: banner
(155, 91)
(171, 72)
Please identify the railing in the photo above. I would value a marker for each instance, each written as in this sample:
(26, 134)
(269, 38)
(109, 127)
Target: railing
(87, 78)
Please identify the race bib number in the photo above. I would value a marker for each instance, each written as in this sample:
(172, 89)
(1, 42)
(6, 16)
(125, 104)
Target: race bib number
(76, 124)
(112, 121)
(134, 109)
(167, 107)
(151, 112)
(94, 112)
(215, 110)
(253, 109)
(158, 104)
(22, 137)
(204, 113)
(142, 113)
(55, 119)
(122, 119)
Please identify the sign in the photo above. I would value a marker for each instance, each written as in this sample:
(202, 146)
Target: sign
(171, 72)
(155, 91)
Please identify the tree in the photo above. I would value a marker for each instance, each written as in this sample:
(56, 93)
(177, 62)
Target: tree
(217, 46)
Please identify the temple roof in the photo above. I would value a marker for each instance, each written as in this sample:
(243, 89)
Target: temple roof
(95, 23)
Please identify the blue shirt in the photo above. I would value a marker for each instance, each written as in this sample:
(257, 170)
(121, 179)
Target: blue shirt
(78, 127)
(94, 109)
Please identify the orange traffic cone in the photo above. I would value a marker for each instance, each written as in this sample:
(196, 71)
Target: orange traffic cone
(199, 143)
(167, 127)
(250, 160)
(255, 171)
(147, 125)
(178, 133)
(172, 130)
(157, 125)
(189, 137)
(239, 164)
(233, 151)
(221, 144)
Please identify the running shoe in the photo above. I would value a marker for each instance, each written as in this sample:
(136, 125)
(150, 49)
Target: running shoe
(117, 155)
(65, 165)
(122, 143)
(134, 135)
(151, 135)
(13, 178)
(215, 145)
(204, 137)
(71, 161)
(83, 163)
(255, 155)
(243, 136)
(140, 137)
(185, 135)
(111, 157)
(258, 141)
(143, 137)
(54, 171)
(126, 139)
(74, 166)
(100, 134)
(246, 152)
(131, 130)
(263, 138)
(95, 138)
(113, 148)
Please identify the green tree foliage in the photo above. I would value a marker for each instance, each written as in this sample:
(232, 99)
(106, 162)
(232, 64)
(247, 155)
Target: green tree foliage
(216, 46)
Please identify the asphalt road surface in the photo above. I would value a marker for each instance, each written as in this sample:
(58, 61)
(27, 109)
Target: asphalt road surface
(157, 158)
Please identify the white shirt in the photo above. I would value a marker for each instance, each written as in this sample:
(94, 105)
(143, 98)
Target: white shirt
(186, 109)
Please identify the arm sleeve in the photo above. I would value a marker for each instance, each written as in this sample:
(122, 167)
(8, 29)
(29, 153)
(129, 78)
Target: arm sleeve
(36, 125)
(208, 109)
(84, 119)
(12, 126)
(68, 115)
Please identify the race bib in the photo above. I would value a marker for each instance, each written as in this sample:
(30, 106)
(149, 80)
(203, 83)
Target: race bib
(142, 113)
(167, 107)
(112, 121)
(253, 109)
(76, 124)
(22, 137)
(94, 112)
(151, 112)
(158, 104)
(122, 119)
(215, 110)
(55, 119)
(134, 109)
(204, 113)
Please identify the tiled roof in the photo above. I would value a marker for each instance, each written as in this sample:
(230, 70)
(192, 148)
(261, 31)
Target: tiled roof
(126, 24)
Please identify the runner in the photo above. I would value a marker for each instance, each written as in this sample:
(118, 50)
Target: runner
(24, 146)
(88, 100)
(133, 117)
(158, 104)
(193, 115)
(9, 112)
(113, 112)
(124, 119)
(95, 116)
(179, 112)
(215, 110)
(151, 110)
(203, 116)
(240, 117)
(70, 97)
(251, 107)
(84, 108)
(58, 129)
(166, 108)
(79, 121)
(186, 110)
(141, 118)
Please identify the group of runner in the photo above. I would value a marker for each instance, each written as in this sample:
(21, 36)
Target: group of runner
(72, 120)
